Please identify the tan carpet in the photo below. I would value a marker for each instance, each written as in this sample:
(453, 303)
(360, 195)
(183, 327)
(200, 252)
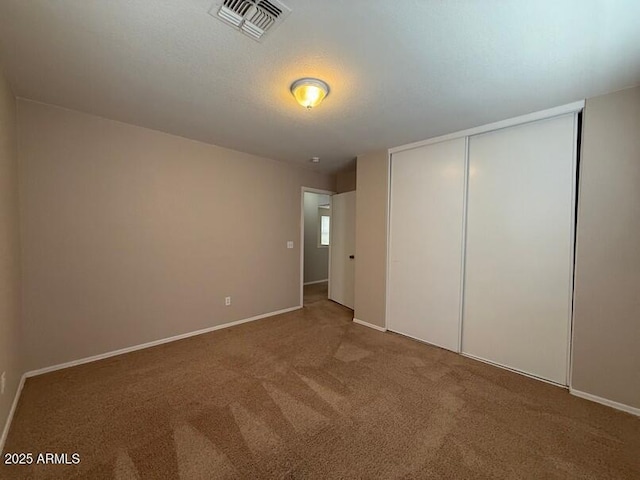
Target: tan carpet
(311, 395)
(315, 292)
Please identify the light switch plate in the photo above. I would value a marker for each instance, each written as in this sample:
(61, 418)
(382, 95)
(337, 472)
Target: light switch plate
(290, 244)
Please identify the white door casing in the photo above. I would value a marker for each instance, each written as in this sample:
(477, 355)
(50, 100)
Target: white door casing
(301, 239)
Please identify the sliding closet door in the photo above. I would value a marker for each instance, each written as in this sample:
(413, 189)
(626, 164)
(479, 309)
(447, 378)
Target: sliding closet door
(519, 253)
(425, 249)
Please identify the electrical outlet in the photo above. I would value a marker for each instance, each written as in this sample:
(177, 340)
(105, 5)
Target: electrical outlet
(3, 381)
(290, 244)
(227, 301)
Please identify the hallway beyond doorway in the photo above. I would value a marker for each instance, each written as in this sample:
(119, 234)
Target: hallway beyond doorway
(315, 292)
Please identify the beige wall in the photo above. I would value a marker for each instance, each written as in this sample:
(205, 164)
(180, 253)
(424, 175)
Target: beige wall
(10, 327)
(606, 347)
(132, 235)
(346, 181)
(371, 237)
(316, 259)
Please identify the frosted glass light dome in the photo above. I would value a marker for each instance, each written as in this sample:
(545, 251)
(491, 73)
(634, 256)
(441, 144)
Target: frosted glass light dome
(309, 92)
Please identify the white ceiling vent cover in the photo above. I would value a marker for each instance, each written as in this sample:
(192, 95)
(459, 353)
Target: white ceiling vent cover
(254, 18)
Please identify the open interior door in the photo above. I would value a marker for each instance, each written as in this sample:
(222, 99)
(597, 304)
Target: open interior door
(342, 249)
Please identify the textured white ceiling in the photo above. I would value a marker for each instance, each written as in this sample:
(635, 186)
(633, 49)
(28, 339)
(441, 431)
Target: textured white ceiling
(400, 71)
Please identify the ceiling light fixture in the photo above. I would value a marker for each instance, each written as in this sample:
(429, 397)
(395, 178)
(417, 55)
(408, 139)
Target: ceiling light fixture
(309, 92)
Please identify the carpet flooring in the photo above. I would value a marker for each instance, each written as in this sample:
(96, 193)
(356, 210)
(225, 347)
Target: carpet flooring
(310, 394)
(315, 293)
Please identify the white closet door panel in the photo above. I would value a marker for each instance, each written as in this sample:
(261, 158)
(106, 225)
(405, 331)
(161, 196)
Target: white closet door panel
(519, 251)
(425, 250)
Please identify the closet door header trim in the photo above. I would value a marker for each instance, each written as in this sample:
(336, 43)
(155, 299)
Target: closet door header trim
(530, 117)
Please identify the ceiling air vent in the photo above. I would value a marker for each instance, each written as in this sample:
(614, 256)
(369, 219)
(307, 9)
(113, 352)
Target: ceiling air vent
(254, 18)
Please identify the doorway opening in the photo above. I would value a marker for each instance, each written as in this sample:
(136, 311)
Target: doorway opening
(315, 244)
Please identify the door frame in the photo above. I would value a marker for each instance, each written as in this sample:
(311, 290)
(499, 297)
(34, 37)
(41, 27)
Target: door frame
(304, 190)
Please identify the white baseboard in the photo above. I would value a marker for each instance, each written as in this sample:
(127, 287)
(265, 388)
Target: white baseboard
(133, 348)
(370, 325)
(609, 403)
(7, 424)
(316, 281)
